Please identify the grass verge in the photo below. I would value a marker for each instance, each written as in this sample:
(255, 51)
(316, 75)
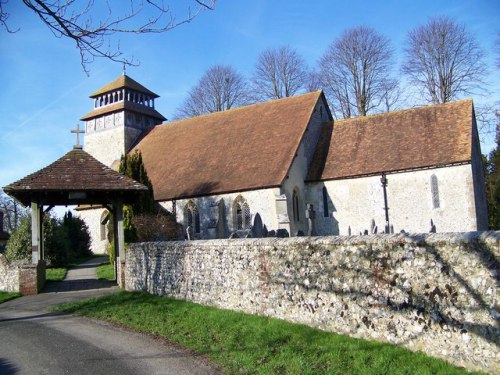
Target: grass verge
(248, 344)
(5, 296)
(105, 272)
(55, 274)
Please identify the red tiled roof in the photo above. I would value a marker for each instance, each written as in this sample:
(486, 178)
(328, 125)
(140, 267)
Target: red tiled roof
(415, 138)
(130, 106)
(77, 171)
(123, 81)
(240, 149)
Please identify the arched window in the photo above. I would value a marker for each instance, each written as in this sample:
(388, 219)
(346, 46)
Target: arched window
(104, 223)
(325, 202)
(296, 207)
(435, 191)
(192, 217)
(241, 214)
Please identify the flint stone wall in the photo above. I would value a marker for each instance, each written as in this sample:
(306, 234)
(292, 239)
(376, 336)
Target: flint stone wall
(26, 279)
(436, 293)
(9, 276)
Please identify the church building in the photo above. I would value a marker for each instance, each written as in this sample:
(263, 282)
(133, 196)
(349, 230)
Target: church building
(286, 168)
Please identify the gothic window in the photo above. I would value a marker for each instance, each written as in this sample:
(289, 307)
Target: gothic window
(192, 216)
(241, 214)
(295, 203)
(325, 202)
(435, 191)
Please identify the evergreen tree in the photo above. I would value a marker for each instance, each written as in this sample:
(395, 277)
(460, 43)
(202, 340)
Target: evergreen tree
(493, 186)
(64, 240)
(144, 220)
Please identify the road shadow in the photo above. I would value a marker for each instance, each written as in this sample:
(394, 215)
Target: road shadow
(7, 368)
(76, 285)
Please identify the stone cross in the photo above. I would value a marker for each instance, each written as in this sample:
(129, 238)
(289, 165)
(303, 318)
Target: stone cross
(78, 132)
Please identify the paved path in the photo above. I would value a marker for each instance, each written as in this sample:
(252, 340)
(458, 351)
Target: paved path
(36, 341)
(81, 277)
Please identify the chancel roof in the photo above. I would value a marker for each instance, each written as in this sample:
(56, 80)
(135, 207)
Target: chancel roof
(123, 81)
(241, 149)
(423, 137)
(75, 178)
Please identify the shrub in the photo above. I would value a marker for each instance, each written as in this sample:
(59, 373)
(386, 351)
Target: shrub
(19, 245)
(64, 240)
(155, 227)
(111, 252)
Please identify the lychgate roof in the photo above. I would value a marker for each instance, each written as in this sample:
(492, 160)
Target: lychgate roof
(123, 81)
(76, 178)
(240, 149)
(423, 137)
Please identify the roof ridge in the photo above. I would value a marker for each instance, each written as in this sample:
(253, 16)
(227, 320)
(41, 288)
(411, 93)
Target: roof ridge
(122, 80)
(415, 108)
(232, 110)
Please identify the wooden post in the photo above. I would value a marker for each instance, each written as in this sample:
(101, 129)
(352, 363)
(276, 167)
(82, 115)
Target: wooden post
(119, 239)
(36, 233)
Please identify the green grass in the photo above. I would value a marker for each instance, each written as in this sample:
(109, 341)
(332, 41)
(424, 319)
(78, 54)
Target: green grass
(55, 274)
(5, 296)
(105, 272)
(59, 273)
(247, 344)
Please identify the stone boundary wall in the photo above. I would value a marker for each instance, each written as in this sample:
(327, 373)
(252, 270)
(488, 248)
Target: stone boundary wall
(26, 279)
(436, 293)
(9, 276)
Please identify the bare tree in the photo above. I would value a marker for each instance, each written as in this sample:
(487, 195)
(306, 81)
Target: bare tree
(392, 95)
(13, 212)
(443, 60)
(355, 71)
(219, 89)
(279, 73)
(313, 81)
(90, 25)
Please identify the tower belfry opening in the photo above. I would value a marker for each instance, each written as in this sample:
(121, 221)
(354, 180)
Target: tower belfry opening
(123, 110)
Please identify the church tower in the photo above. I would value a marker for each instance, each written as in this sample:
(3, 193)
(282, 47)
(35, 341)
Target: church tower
(123, 111)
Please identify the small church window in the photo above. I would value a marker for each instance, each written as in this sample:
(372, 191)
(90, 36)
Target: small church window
(435, 192)
(104, 223)
(325, 202)
(192, 216)
(241, 214)
(295, 203)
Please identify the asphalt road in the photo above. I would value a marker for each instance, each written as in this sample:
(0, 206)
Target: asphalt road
(35, 341)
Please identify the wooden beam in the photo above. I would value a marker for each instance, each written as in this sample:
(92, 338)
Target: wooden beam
(36, 233)
(119, 238)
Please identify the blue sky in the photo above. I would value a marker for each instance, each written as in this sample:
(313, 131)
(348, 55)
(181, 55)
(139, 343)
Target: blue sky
(44, 90)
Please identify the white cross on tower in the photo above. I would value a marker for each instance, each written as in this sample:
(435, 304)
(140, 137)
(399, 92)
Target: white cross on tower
(78, 132)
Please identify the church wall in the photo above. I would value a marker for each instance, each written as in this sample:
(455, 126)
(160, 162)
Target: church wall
(92, 218)
(481, 205)
(355, 202)
(300, 166)
(435, 293)
(260, 201)
(106, 146)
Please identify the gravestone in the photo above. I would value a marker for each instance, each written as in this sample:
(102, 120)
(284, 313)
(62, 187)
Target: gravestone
(282, 233)
(310, 215)
(189, 233)
(257, 229)
(433, 227)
